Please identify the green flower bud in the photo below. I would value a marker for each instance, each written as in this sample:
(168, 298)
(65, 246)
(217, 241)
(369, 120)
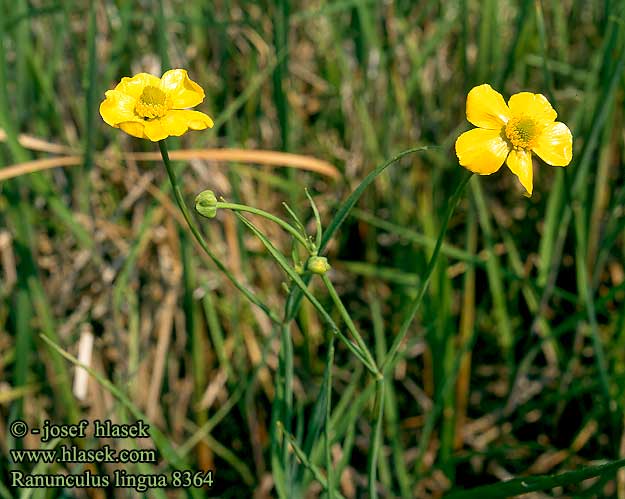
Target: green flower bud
(206, 204)
(318, 265)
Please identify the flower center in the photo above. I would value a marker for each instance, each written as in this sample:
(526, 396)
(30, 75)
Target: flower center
(152, 103)
(522, 132)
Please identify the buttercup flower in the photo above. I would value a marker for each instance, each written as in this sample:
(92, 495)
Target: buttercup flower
(511, 133)
(153, 108)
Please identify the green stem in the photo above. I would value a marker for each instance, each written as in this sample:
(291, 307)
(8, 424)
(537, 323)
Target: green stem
(416, 303)
(92, 77)
(286, 226)
(303, 458)
(295, 296)
(202, 242)
(348, 320)
(281, 260)
(376, 436)
(493, 271)
(328, 443)
(589, 302)
(286, 366)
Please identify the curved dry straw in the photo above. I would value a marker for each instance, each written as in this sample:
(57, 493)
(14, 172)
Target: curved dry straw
(259, 157)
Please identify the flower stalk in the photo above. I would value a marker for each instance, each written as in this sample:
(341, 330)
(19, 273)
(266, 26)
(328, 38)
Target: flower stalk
(416, 303)
(350, 325)
(256, 211)
(200, 238)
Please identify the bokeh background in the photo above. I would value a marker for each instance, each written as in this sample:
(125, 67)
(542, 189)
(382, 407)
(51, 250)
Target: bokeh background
(515, 363)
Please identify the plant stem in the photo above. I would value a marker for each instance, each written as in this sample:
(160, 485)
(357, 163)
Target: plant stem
(281, 260)
(328, 443)
(416, 303)
(202, 242)
(285, 225)
(295, 296)
(286, 366)
(348, 321)
(376, 436)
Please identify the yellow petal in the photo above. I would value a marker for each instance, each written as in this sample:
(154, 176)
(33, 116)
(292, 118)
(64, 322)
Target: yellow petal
(182, 91)
(134, 128)
(195, 120)
(534, 105)
(134, 86)
(176, 122)
(156, 130)
(482, 151)
(486, 108)
(555, 144)
(520, 162)
(117, 107)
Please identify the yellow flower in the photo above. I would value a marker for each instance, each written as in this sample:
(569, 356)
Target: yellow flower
(153, 108)
(511, 133)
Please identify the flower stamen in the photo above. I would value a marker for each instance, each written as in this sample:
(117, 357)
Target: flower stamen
(152, 103)
(522, 132)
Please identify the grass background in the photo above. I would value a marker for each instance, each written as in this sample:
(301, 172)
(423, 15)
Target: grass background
(515, 363)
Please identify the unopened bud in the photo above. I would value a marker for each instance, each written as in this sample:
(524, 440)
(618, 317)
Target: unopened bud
(318, 265)
(206, 204)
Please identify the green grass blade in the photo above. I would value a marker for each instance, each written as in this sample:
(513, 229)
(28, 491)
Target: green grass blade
(416, 303)
(282, 261)
(342, 212)
(529, 484)
(493, 268)
(160, 440)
